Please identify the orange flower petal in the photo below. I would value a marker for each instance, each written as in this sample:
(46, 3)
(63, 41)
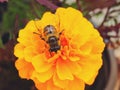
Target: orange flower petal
(63, 70)
(90, 82)
(74, 58)
(86, 48)
(39, 45)
(76, 84)
(25, 68)
(76, 55)
(29, 53)
(39, 85)
(44, 76)
(59, 83)
(24, 37)
(35, 48)
(48, 85)
(19, 50)
(51, 86)
(49, 19)
(40, 63)
(74, 67)
(97, 43)
(89, 70)
(31, 27)
(65, 18)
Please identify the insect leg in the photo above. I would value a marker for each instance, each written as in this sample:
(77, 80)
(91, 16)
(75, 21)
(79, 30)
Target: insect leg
(39, 35)
(61, 32)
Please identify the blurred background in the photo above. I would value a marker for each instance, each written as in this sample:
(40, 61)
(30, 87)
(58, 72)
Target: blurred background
(104, 14)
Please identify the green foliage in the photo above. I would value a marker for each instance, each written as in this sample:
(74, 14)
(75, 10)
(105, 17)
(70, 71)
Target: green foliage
(20, 11)
(15, 7)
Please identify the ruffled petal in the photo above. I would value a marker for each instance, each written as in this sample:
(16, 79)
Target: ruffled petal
(24, 37)
(63, 70)
(38, 46)
(40, 63)
(19, 50)
(74, 67)
(60, 83)
(25, 68)
(29, 53)
(51, 86)
(75, 84)
(31, 26)
(89, 70)
(27, 36)
(44, 76)
(48, 85)
(49, 19)
(97, 42)
(65, 18)
(92, 79)
(74, 58)
(40, 85)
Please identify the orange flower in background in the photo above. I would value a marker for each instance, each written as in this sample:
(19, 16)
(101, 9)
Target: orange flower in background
(70, 67)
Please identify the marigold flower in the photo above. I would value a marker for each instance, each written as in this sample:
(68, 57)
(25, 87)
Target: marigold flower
(70, 68)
